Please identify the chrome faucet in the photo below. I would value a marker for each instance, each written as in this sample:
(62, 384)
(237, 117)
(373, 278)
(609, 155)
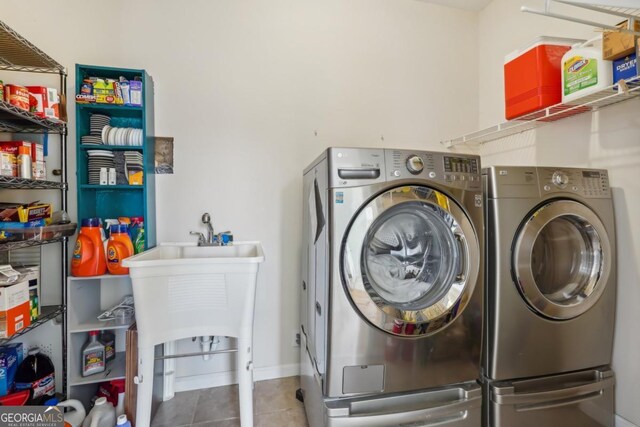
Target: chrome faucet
(221, 239)
(206, 220)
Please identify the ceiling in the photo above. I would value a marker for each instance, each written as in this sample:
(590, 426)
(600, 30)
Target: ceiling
(461, 4)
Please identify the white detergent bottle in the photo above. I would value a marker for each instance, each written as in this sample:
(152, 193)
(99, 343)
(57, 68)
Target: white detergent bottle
(76, 417)
(103, 414)
(584, 72)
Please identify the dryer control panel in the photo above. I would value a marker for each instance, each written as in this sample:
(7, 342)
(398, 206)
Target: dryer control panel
(590, 183)
(454, 170)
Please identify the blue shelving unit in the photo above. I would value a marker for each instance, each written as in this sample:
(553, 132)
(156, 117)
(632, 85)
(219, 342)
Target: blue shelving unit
(113, 201)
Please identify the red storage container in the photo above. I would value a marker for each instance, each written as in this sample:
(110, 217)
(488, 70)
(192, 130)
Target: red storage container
(532, 76)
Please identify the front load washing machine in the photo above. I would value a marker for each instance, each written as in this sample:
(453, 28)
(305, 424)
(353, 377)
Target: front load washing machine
(392, 289)
(550, 302)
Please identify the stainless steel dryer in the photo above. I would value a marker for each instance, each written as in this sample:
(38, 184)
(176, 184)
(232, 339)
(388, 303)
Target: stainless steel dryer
(550, 302)
(392, 288)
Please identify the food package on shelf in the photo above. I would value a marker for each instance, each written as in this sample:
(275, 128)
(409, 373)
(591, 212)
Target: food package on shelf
(39, 170)
(105, 92)
(14, 302)
(37, 150)
(47, 101)
(18, 96)
(14, 212)
(135, 93)
(11, 356)
(8, 164)
(31, 274)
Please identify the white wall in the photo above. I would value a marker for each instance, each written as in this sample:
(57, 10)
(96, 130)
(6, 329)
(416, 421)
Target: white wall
(253, 90)
(607, 139)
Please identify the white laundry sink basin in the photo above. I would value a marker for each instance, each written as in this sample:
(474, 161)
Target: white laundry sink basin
(190, 253)
(181, 289)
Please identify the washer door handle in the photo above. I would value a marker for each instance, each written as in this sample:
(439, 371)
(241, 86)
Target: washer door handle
(463, 257)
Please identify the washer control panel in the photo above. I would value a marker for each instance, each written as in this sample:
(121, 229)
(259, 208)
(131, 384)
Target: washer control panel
(455, 170)
(585, 182)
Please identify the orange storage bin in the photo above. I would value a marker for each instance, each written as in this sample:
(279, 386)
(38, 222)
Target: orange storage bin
(532, 76)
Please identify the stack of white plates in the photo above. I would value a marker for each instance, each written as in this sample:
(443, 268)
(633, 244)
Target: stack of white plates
(121, 136)
(98, 159)
(97, 122)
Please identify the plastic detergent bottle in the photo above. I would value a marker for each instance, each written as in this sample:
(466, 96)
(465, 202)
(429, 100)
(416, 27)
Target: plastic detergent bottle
(584, 72)
(88, 255)
(76, 417)
(94, 357)
(36, 374)
(123, 422)
(103, 414)
(118, 248)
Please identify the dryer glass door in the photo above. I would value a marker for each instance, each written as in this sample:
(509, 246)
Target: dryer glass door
(410, 261)
(562, 259)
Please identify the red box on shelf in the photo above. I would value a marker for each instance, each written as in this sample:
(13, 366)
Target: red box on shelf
(532, 76)
(48, 102)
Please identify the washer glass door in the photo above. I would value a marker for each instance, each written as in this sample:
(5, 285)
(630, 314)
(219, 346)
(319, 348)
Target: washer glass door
(410, 261)
(562, 259)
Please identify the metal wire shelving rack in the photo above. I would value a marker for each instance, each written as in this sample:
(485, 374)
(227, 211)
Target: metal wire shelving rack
(19, 55)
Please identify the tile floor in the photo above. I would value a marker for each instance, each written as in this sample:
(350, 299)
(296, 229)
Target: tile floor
(274, 405)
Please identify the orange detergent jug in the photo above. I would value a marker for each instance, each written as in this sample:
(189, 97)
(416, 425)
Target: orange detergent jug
(88, 255)
(118, 248)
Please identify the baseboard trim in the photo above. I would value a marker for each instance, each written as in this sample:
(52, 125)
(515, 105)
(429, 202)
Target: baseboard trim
(195, 382)
(621, 422)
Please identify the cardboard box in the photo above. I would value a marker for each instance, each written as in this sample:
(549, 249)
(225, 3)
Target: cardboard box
(616, 45)
(39, 171)
(625, 68)
(11, 147)
(14, 308)
(14, 212)
(47, 101)
(11, 356)
(8, 164)
(31, 274)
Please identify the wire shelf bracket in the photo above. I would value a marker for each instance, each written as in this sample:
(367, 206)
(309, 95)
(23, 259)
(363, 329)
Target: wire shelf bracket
(621, 91)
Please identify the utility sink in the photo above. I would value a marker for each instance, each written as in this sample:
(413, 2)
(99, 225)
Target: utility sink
(182, 290)
(184, 253)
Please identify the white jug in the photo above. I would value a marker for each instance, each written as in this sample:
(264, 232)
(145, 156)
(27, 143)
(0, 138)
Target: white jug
(103, 414)
(73, 418)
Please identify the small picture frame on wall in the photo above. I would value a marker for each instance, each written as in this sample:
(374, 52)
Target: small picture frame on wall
(164, 155)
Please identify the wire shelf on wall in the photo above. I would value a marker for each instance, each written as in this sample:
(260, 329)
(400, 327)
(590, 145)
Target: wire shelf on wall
(18, 54)
(14, 119)
(47, 313)
(30, 184)
(613, 94)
